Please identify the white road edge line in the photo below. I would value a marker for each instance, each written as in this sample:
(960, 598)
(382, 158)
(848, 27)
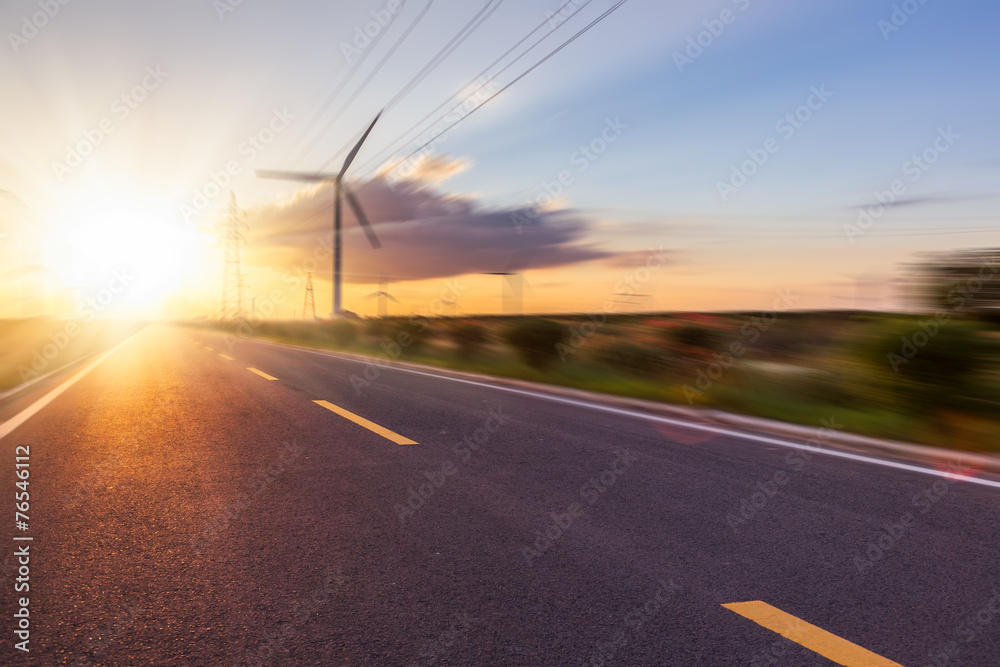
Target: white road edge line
(674, 422)
(8, 426)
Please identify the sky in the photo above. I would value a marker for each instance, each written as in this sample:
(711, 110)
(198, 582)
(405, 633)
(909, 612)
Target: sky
(674, 156)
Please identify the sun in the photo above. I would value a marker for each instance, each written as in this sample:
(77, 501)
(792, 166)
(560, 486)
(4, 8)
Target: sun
(129, 255)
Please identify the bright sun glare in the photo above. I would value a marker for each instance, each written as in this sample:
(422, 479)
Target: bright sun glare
(131, 254)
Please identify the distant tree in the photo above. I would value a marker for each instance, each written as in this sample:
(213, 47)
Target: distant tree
(341, 332)
(964, 283)
(535, 340)
(469, 337)
(929, 366)
(641, 360)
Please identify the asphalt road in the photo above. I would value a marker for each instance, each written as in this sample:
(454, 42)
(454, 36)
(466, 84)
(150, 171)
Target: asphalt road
(185, 510)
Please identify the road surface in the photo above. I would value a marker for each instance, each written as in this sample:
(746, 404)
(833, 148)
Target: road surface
(195, 502)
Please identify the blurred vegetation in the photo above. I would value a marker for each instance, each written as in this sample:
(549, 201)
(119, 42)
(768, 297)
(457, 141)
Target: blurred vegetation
(930, 377)
(470, 338)
(33, 347)
(878, 374)
(536, 340)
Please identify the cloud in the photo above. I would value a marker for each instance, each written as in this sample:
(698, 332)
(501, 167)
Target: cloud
(926, 200)
(424, 233)
(428, 170)
(632, 259)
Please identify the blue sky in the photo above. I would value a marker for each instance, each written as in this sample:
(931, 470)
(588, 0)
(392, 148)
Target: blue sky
(656, 185)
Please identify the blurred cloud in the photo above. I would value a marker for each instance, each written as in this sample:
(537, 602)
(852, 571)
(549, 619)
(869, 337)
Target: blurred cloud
(927, 200)
(425, 233)
(634, 258)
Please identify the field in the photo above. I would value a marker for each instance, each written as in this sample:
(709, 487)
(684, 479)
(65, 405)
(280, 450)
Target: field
(33, 347)
(895, 376)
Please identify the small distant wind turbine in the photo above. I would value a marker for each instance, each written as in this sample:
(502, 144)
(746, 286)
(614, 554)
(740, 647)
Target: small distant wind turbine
(627, 301)
(383, 297)
(514, 284)
(340, 188)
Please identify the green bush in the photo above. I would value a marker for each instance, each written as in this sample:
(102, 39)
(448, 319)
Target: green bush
(378, 328)
(469, 337)
(640, 360)
(341, 332)
(926, 366)
(535, 340)
(411, 335)
(693, 340)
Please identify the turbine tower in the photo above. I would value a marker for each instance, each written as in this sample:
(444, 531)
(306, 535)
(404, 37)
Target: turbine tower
(231, 307)
(514, 284)
(340, 189)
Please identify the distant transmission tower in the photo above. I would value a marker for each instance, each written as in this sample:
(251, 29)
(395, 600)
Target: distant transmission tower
(232, 276)
(310, 303)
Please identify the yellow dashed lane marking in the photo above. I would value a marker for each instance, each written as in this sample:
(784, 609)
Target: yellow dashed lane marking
(227, 358)
(805, 634)
(209, 349)
(261, 373)
(371, 426)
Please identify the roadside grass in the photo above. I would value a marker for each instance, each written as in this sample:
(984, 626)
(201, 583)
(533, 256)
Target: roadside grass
(33, 347)
(803, 371)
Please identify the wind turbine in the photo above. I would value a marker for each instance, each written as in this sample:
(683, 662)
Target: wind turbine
(383, 295)
(512, 294)
(340, 190)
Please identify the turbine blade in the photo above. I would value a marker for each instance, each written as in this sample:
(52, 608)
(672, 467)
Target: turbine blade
(357, 147)
(362, 219)
(392, 298)
(311, 177)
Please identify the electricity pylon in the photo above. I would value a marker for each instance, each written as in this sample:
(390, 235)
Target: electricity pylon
(309, 306)
(231, 307)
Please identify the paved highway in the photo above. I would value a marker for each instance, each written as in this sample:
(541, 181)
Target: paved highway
(196, 503)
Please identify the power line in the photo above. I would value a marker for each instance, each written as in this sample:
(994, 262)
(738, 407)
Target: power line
(391, 146)
(464, 33)
(523, 74)
(361, 86)
(343, 82)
